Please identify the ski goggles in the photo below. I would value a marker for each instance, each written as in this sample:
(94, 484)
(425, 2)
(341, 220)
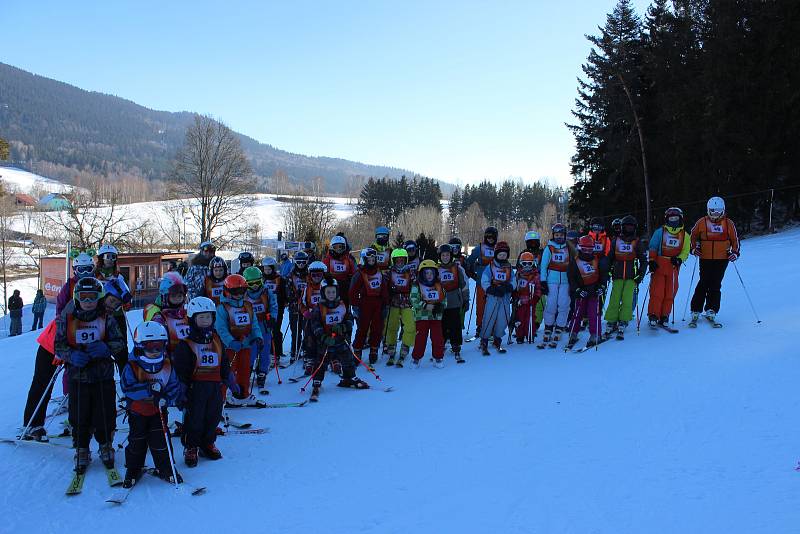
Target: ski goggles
(674, 220)
(83, 269)
(87, 296)
(237, 291)
(317, 276)
(254, 284)
(300, 263)
(154, 346)
(526, 264)
(338, 248)
(597, 227)
(109, 256)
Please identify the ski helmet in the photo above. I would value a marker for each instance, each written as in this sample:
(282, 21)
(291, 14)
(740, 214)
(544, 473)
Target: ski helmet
(171, 282)
(573, 236)
(502, 246)
(150, 340)
(411, 247)
(107, 252)
(83, 266)
(382, 235)
(532, 236)
(246, 257)
(327, 282)
(673, 217)
(200, 305)
(616, 225)
(235, 286)
(399, 253)
(317, 267)
(556, 229)
(271, 263)
(215, 262)
(596, 224)
(526, 260)
(116, 287)
(427, 265)
(338, 245)
(301, 260)
(715, 208)
(586, 244)
(208, 246)
(629, 222)
(455, 244)
(368, 254)
(254, 277)
(490, 232)
(87, 289)
(445, 249)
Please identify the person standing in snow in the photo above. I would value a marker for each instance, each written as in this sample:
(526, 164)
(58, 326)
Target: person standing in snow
(555, 285)
(400, 281)
(628, 261)
(15, 305)
(669, 248)
(44, 367)
(715, 242)
(341, 266)
(382, 248)
(38, 308)
(480, 257)
(275, 285)
(454, 282)
(499, 282)
(295, 287)
(587, 273)
(428, 300)
(369, 296)
(82, 267)
(199, 270)
(265, 307)
(526, 296)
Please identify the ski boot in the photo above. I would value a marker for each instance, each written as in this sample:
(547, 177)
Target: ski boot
(546, 337)
(336, 367)
(592, 342)
(132, 476)
(711, 316)
(438, 363)
(404, 350)
(37, 433)
(415, 362)
(520, 340)
(611, 329)
(210, 451)
(652, 321)
(484, 346)
(167, 477)
(556, 337)
(352, 382)
(693, 321)
(373, 358)
(107, 455)
(190, 456)
(457, 354)
(390, 361)
(261, 380)
(573, 338)
(315, 387)
(498, 345)
(83, 457)
(621, 326)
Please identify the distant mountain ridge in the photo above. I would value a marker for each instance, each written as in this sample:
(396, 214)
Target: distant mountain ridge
(51, 121)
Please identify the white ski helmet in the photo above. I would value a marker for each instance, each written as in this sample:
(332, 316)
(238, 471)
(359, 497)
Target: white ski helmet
(107, 249)
(149, 331)
(715, 207)
(83, 265)
(200, 305)
(317, 267)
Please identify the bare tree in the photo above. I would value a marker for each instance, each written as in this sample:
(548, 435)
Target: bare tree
(422, 219)
(471, 225)
(146, 238)
(93, 220)
(312, 220)
(213, 175)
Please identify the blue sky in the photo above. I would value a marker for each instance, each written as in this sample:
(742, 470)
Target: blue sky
(456, 90)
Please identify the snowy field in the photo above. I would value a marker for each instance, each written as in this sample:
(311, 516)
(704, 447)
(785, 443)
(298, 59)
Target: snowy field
(21, 181)
(691, 432)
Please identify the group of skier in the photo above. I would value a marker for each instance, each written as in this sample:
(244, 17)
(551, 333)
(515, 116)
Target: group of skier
(211, 335)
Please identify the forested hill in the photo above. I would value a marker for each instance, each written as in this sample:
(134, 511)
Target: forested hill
(51, 121)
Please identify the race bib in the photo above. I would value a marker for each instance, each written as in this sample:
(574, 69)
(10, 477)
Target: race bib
(559, 257)
(374, 283)
(87, 335)
(446, 276)
(501, 276)
(522, 283)
(400, 282)
(339, 267)
(208, 358)
(259, 307)
(382, 257)
(301, 286)
(673, 242)
(431, 294)
(489, 253)
(182, 331)
(598, 247)
(625, 247)
(333, 318)
(587, 268)
(315, 299)
(716, 228)
(272, 286)
(216, 292)
(241, 318)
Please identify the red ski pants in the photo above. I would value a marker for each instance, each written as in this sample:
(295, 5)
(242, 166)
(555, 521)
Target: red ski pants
(434, 327)
(240, 367)
(526, 312)
(370, 320)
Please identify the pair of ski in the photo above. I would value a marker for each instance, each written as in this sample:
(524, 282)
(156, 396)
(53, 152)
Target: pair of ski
(121, 495)
(664, 327)
(712, 320)
(586, 347)
(76, 484)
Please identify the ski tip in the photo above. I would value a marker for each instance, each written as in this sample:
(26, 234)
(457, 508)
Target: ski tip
(199, 491)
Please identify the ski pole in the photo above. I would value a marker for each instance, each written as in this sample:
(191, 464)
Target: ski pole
(41, 400)
(359, 360)
(691, 283)
(597, 332)
(277, 361)
(58, 409)
(472, 306)
(168, 440)
(674, 290)
(746, 293)
(508, 322)
(644, 301)
(310, 378)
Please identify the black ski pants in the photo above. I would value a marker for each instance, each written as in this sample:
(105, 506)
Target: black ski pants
(707, 293)
(43, 370)
(451, 328)
(202, 413)
(146, 432)
(92, 411)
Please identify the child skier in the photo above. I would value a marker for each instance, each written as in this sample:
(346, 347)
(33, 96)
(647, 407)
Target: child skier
(481, 256)
(240, 333)
(202, 367)
(587, 272)
(498, 281)
(213, 283)
(382, 248)
(400, 281)
(628, 261)
(169, 310)
(669, 248)
(295, 287)
(340, 265)
(526, 297)
(454, 283)
(554, 283)
(265, 307)
(427, 301)
(369, 295)
(331, 325)
(150, 385)
(274, 283)
(86, 338)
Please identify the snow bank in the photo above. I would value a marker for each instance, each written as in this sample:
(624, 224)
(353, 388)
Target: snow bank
(692, 432)
(23, 181)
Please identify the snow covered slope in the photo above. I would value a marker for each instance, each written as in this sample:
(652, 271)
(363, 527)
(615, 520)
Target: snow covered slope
(691, 432)
(23, 181)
